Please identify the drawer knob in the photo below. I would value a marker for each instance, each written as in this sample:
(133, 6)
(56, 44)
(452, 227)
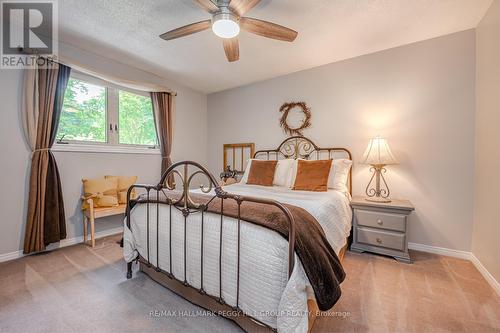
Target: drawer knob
(379, 240)
(380, 222)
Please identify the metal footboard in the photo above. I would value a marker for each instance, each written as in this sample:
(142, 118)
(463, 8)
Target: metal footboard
(186, 204)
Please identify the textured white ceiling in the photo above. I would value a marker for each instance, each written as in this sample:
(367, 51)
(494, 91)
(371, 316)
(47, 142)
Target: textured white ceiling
(329, 30)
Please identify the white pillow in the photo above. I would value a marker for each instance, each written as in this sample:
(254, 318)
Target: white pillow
(283, 172)
(339, 175)
(244, 178)
(293, 173)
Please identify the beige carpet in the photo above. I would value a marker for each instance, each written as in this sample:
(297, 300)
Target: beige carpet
(79, 289)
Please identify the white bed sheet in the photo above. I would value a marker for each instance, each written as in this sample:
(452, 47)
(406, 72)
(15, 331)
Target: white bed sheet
(265, 290)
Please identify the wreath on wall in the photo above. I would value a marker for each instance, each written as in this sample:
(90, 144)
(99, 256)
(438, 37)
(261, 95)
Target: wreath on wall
(305, 122)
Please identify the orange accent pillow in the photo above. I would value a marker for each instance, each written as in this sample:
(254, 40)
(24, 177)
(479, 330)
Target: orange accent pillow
(312, 175)
(262, 173)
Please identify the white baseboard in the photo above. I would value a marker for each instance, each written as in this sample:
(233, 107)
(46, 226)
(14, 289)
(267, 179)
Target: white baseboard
(487, 275)
(62, 243)
(440, 250)
(462, 255)
(11, 256)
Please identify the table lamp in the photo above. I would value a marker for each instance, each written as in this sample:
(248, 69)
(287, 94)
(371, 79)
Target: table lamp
(378, 155)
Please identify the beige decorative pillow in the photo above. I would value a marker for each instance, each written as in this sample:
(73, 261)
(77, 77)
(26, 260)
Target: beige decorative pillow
(98, 188)
(122, 196)
(123, 184)
(106, 201)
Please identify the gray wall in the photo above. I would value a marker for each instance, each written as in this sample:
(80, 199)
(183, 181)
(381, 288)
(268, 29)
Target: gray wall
(420, 96)
(189, 143)
(485, 243)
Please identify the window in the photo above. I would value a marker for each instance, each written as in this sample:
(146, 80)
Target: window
(101, 114)
(83, 116)
(135, 119)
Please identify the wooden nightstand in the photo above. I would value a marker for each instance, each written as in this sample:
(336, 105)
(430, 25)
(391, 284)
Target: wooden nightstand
(381, 227)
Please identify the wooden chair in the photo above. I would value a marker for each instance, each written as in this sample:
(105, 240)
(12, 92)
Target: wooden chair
(92, 213)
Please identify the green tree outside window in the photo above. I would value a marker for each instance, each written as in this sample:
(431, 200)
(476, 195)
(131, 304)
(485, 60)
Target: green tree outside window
(83, 116)
(136, 122)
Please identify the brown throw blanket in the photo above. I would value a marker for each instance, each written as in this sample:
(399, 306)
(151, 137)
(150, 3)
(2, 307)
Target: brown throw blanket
(321, 264)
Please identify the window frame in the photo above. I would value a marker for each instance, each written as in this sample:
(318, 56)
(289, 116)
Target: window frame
(112, 144)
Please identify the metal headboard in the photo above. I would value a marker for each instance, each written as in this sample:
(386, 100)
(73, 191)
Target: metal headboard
(301, 147)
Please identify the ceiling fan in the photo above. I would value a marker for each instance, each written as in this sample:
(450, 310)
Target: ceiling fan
(226, 22)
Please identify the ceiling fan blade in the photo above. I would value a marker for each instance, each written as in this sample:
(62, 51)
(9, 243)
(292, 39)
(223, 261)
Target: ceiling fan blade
(241, 7)
(232, 49)
(207, 5)
(187, 30)
(268, 29)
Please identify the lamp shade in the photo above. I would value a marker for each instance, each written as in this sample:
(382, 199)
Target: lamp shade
(378, 153)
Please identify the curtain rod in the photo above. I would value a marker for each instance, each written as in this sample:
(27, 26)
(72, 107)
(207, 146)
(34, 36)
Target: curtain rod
(138, 86)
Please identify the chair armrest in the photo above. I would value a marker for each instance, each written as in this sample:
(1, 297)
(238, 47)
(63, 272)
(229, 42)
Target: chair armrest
(84, 198)
(89, 202)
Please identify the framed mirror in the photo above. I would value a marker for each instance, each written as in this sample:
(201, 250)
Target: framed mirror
(236, 156)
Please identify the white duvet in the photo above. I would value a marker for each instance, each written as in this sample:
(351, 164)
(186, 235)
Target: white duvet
(266, 293)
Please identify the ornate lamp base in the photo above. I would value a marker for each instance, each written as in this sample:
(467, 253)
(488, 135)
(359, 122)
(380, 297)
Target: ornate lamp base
(378, 194)
(378, 199)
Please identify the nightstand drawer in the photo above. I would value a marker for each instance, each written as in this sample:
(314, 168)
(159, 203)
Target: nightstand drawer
(380, 220)
(391, 240)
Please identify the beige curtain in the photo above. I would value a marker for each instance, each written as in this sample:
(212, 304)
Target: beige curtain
(42, 103)
(163, 114)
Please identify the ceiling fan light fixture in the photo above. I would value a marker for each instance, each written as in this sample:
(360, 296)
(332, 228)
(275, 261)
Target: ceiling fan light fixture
(225, 25)
(227, 20)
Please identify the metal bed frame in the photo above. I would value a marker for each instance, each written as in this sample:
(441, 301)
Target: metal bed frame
(293, 147)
